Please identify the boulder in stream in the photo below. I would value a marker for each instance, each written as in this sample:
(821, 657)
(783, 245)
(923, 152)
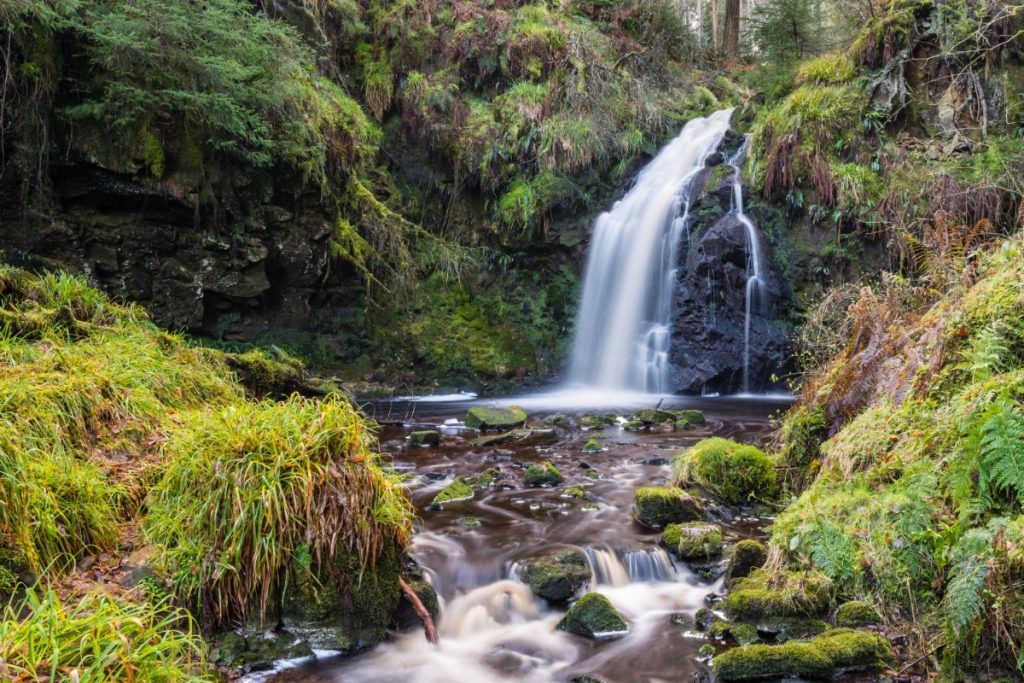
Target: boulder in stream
(857, 613)
(544, 474)
(659, 506)
(457, 490)
(559, 578)
(495, 419)
(427, 438)
(747, 556)
(593, 616)
(820, 658)
(693, 541)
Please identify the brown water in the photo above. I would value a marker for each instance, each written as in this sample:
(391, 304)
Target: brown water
(491, 626)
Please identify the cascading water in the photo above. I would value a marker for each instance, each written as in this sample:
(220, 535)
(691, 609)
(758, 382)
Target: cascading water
(623, 332)
(755, 267)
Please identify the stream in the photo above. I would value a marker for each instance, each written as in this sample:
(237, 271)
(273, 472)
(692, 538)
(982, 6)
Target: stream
(491, 625)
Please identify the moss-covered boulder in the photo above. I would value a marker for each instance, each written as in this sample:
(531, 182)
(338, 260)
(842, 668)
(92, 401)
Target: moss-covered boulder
(820, 658)
(257, 650)
(768, 595)
(685, 419)
(595, 617)
(650, 417)
(544, 474)
(579, 493)
(592, 446)
(591, 421)
(495, 419)
(659, 506)
(456, 491)
(761, 662)
(747, 556)
(559, 578)
(426, 438)
(857, 613)
(736, 473)
(693, 540)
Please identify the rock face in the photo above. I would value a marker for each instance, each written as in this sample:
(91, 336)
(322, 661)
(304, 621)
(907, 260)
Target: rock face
(708, 326)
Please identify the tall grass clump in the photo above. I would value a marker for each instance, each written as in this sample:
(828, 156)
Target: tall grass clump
(251, 488)
(97, 640)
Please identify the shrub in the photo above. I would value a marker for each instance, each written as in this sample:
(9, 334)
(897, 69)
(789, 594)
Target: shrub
(99, 639)
(249, 487)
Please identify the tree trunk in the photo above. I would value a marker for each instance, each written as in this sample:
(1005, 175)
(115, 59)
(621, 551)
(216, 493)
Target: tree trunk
(714, 24)
(731, 29)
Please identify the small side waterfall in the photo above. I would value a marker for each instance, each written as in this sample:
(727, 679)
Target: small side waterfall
(755, 265)
(623, 332)
(623, 567)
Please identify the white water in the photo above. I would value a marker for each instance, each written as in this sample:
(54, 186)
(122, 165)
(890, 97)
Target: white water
(623, 333)
(755, 265)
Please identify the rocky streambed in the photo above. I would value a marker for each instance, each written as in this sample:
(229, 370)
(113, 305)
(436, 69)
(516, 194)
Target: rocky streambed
(547, 546)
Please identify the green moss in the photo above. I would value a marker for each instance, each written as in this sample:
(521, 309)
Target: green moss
(579, 493)
(698, 541)
(264, 376)
(544, 474)
(829, 69)
(658, 507)
(593, 446)
(850, 650)
(764, 595)
(857, 613)
(589, 421)
(458, 490)
(652, 416)
(758, 662)
(745, 634)
(495, 419)
(747, 556)
(685, 419)
(732, 471)
(594, 616)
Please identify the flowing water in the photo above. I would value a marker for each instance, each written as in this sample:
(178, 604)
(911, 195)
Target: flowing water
(755, 265)
(491, 626)
(623, 330)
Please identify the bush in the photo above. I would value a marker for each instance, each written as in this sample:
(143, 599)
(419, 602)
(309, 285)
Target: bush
(249, 488)
(99, 639)
(734, 472)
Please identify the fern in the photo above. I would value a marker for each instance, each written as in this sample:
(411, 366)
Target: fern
(965, 592)
(1001, 465)
(987, 354)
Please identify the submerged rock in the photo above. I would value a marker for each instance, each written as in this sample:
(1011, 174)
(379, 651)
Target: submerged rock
(593, 616)
(659, 506)
(493, 439)
(495, 419)
(559, 578)
(453, 492)
(256, 651)
(428, 437)
(544, 474)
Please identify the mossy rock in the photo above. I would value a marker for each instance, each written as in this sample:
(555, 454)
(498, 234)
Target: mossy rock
(495, 419)
(264, 376)
(693, 540)
(457, 490)
(592, 474)
(544, 474)
(747, 556)
(649, 417)
(425, 438)
(857, 613)
(760, 662)
(593, 446)
(407, 619)
(558, 579)
(685, 419)
(485, 479)
(734, 472)
(256, 651)
(764, 595)
(579, 493)
(659, 506)
(591, 421)
(745, 634)
(556, 421)
(593, 616)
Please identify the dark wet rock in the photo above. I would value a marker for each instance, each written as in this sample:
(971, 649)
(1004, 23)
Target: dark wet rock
(495, 419)
(708, 328)
(705, 619)
(659, 506)
(585, 679)
(427, 437)
(407, 619)
(657, 462)
(559, 578)
(579, 493)
(594, 616)
(684, 620)
(435, 476)
(544, 474)
(747, 556)
(256, 651)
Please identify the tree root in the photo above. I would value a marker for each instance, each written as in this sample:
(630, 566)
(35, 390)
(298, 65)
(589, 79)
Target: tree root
(428, 622)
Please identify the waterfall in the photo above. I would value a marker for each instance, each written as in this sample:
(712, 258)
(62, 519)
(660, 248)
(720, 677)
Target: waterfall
(755, 265)
(623, 333)
(623, 567)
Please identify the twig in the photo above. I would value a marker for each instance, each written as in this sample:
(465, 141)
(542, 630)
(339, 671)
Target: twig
(421, 611)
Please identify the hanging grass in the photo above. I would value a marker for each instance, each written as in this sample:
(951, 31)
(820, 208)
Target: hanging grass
(97, 640)
(250, 487)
